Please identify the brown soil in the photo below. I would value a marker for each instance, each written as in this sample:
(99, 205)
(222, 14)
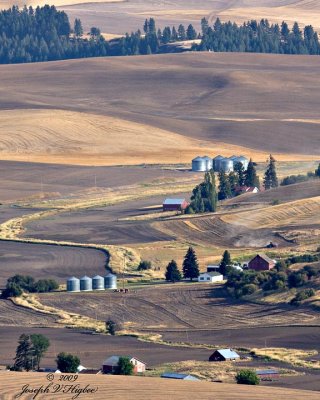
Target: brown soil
(48, 261)
(179, 307)
(126, 388)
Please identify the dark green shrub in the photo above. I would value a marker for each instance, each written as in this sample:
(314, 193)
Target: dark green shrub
(247, 377)
(144, 265)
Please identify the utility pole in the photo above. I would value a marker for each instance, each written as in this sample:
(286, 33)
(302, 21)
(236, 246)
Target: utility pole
(123, 271)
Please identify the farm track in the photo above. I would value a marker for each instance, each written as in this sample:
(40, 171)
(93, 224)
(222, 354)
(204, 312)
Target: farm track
(11, 314)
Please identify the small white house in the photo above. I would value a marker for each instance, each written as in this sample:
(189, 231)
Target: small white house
(212, 268)
(210, 277)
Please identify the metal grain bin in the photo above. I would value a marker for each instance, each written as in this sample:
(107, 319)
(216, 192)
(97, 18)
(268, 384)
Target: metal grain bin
(98, 283)
(73, 284)
(110, 281)
(226, 165)
(85, 283)
(209, 163)
(216, 163)
(199, 164)
(244, 161)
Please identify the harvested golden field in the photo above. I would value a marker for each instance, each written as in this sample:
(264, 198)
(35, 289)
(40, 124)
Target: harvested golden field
(295, 213)
(126, 110)
(124, 17)
(63, 137)
(125, 388)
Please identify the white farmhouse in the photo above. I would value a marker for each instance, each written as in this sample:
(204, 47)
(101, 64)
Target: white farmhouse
(210, 277)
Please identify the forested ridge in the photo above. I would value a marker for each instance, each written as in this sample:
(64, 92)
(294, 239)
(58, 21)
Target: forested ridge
(44, 34)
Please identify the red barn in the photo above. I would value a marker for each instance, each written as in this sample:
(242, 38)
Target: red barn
(110, 365)
(261, 262)
(175, 205)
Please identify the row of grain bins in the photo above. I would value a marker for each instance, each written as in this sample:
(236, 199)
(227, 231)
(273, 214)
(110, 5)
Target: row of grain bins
(86, 284)
(218, 163)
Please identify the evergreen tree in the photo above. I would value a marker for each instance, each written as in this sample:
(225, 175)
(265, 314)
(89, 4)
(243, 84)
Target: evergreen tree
(225, 266)
(190, 265)
(270, 176)
(191, 32)
(174, 34)
(181, 32)
(95, 33)
(233, 182)
(224, 186)
(78, 30)
(251, 178)
(40, 345)
(24, 354)
(172, 273)
(204, 26)
(239, 170)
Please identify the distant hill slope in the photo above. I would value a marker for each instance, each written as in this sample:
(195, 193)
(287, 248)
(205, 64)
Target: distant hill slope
(262, 103)
(123, 17)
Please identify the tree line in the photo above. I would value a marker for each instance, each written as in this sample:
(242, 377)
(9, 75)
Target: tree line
(45, 34)
(292, 179)
(18, 284)
(258, 37)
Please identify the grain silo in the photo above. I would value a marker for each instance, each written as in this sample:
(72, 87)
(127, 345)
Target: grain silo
(226, 165)
(244, 161)
(216, 162)
(98, 283)
(199, 164)
(85, 283)
(209, 163)
(73, 284)
(110, 281)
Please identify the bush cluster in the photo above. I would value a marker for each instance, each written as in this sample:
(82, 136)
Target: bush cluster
(247, 282)
(19, 283)
(144, 265)
(302, 295)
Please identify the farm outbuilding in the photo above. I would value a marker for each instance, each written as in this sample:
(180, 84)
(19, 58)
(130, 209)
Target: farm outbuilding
(216, 162)
(174, 375)
(226, 165)
(261, 262)
(85, 283)
(73, 284)
(267, 374)
(199, 164)
(175, 204)
(97, 283)
(224, 355)
(210, 277)
(110, 281)
(213, 268)
(110, 365)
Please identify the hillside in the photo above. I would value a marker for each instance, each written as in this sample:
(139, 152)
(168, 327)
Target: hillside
(52, 111)
(123, 17)
(130, 387)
